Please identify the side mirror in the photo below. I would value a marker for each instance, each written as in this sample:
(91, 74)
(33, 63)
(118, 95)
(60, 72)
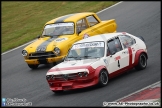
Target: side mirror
(113, 52)
(79, 32)
(38, 36)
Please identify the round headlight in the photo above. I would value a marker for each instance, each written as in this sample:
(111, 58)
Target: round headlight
(57, 50)
(24, 53)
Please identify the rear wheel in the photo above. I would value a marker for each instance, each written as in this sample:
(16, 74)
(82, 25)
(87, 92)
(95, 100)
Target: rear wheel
(33, 66)
(142, 62)
(103, 78)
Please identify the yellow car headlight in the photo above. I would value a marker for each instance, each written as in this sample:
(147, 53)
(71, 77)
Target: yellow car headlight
(24, 53)
(57, 50)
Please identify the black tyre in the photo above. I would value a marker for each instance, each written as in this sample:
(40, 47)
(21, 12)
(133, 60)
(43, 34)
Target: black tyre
(103, 78)
(58, 92)
(33, 66)
(142, 62)
(141, 38)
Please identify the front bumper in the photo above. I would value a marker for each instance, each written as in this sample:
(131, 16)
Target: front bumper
(44, 60)
(72, 84)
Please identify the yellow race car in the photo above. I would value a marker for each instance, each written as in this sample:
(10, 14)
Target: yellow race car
(59, 35)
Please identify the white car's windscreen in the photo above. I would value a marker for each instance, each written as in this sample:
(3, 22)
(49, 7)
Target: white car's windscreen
(58, 29)
(86, 51)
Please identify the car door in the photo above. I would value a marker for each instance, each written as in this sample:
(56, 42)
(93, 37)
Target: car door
(85, 27)
(114, 53)
(93, 25)
(129, 48)
(82, 28)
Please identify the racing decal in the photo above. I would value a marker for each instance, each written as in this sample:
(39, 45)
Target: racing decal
(42, 47)
(58, 25)
(88, 45)
(118, 64)
(85, 36)
(117, 58)
(63, 18)
(106, 62)
(130, 55)
(60, 39)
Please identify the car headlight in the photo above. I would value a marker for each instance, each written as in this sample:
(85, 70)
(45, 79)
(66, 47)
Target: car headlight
(57, 50)
(81, 74)
(24, 53)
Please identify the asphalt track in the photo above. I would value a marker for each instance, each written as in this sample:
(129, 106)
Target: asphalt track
(138, 18)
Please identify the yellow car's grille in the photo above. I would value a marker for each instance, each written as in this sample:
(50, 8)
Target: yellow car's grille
(41, 55)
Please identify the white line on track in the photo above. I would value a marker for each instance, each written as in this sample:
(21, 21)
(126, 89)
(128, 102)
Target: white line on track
(17, 47)
(34, 40)
(139, 90)
(109, 7)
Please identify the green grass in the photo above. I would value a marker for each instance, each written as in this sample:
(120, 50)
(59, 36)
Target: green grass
(22, 21)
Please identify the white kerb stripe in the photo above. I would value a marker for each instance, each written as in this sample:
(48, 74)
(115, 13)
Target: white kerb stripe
(139, 90)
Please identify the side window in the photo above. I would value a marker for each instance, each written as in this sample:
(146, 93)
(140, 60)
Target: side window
(113, 46)
(127, 41)
(92, 20)
(81, 25)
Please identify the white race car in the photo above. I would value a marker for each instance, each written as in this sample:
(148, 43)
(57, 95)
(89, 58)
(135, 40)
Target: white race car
(97, 59)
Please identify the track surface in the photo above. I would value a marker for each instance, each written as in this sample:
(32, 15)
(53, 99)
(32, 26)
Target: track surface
(138, 18)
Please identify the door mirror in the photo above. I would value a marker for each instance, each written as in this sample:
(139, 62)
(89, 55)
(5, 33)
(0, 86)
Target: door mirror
(79, 32)
(113, 52)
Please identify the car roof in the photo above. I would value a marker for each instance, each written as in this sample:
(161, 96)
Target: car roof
(100, 37)
(70, 17)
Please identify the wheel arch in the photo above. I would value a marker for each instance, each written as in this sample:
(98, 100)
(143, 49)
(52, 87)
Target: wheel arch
(98, 70)
(138, 53)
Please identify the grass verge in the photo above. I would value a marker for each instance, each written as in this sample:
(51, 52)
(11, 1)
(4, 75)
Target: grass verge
(22, 21)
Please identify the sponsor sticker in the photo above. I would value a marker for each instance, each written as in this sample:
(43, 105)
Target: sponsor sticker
(117, 58)
(58, 25)
(88, 45)
(106, 62)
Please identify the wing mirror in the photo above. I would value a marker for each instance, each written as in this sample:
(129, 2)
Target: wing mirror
(113, 52)
(79, 32)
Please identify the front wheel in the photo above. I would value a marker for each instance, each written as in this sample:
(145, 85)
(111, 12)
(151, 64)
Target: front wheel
(33, 66)
(103, 78)
(142, 62)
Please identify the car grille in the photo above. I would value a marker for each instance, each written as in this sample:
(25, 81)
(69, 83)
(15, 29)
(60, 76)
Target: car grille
(63, 77)
(41, 55)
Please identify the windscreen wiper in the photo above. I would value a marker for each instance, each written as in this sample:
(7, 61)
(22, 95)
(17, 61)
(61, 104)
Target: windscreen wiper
(78, 58)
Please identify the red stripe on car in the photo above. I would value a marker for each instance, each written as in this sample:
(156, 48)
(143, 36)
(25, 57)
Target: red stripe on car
(130, 56)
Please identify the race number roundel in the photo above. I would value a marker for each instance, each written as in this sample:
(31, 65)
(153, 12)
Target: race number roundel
(85, 36)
